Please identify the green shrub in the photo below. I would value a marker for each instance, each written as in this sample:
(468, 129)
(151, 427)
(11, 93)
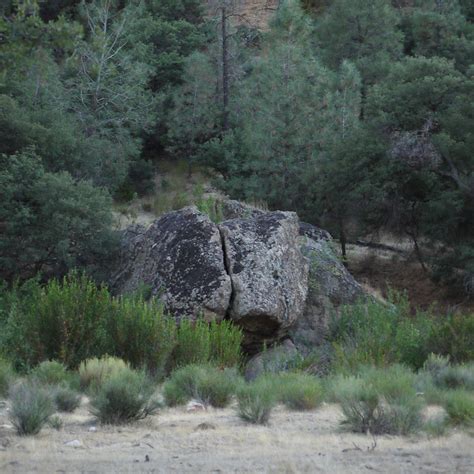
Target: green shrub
(31, 407)
(299, 391)
(435, 364)
(193, 343)
(50, 372)
(199, 342)
(459, 406)
(226, 342)
(94, 372)
(64, 321)
(256, 401)
(141, 333)
(458, 376)
(124, 397)
(436, 427)
(380, 401)
(375, 333)
(73, 319)
(7, 376)
(65, 399)
(210, 385)
(452, 336)
(56, 422)
(217, 387)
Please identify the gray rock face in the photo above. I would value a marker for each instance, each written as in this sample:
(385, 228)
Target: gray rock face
(272, 361)
(180, 257)
(330, 285)
(269, 274)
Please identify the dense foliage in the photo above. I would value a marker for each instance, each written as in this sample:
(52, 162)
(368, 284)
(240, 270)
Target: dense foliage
(73, 320)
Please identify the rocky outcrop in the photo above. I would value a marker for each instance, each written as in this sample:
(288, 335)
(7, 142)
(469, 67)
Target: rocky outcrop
(271, 361)
(274, 276)
(330, 286)
(268, 272)
(180, 258)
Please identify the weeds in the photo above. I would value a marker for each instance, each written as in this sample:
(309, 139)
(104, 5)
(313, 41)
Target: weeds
(50, 372)
(459, 406)
(123, 398)
(7, 376)
(256, 401)
(299, 391)
(94, 372)
(210, 385)
(65, 399)
(380, 401)
(31, 408)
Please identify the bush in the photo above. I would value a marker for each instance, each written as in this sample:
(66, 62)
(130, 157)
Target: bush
(50, 372)
(459, 376)
(210, 385)
(256, 401)
(193, 343)
(436, 427)
(6, 376)
(141, 334)
(65, 399)
(459, 406)
(380, 401)
(299, 391)
(226, 343)
(374, 333)
(64, 321)
(124, 397)
(31, 408)
(94, 372)
(199, 342)
(56, 422)
(73, 320)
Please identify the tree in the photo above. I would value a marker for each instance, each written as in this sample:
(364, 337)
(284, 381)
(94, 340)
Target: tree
(49, 223)
(435, 28)
(424, 111)
(365, 33)
(283, 116)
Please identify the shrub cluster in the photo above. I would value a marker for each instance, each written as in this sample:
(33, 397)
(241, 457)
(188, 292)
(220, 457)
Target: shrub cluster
(380, 401)
(256, 401)
(299, 391)
(74, 319)
(6, 376)
(125, 397)
(94, 372)
(31, 407)
(374, 333)
(210, 385)
(198, 342)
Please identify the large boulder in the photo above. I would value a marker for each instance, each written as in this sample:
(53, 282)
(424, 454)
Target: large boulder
(273, 275)
(180, 258)
(268, 272)
(330, 285)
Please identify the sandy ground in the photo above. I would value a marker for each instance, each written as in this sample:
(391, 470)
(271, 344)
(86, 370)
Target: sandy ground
(176, 441)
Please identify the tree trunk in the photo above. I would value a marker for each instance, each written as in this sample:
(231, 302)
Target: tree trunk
(225, 72)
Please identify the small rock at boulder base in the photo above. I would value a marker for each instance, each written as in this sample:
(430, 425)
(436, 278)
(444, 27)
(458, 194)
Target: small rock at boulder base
(272, 361)
(268, 272)
(180, 258)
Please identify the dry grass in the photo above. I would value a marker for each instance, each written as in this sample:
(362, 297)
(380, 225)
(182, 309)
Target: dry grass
(293, 442)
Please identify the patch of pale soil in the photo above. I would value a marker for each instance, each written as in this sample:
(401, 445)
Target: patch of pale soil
(172, 442)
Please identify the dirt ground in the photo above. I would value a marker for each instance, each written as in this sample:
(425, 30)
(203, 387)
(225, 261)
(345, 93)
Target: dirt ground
(217, 441)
